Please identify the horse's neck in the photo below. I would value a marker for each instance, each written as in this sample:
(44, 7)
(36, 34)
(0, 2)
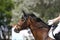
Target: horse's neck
(33, 30)
(41, 27)
(36, 30)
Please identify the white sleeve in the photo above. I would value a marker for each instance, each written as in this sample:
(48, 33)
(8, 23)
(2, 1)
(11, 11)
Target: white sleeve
(50, 22)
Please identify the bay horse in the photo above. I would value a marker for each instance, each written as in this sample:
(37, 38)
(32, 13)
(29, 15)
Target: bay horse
(38, 28)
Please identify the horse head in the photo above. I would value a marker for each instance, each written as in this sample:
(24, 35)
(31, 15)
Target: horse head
(21, 23)
(29, 18)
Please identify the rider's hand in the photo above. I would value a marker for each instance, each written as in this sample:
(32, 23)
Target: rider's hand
(50, 22)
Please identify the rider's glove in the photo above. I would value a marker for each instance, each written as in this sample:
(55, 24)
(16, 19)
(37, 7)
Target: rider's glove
(50, 22)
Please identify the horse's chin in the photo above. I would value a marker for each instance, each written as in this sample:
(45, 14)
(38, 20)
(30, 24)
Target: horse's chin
(17, 30)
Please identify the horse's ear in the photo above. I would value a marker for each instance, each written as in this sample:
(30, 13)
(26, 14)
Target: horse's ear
(24, 13)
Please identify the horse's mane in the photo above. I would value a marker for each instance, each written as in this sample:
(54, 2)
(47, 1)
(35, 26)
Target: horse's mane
(37, 18)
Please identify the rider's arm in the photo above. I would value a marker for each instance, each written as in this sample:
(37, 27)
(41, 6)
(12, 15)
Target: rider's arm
(56, 19)
(50, 22)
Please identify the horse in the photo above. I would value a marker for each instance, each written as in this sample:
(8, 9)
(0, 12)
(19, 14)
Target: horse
(38, 27)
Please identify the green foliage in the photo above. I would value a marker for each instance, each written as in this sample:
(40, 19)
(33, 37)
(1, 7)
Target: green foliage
(5, 11)
(47, 11)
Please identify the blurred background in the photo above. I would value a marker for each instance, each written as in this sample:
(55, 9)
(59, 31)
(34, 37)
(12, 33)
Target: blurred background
(11, 12)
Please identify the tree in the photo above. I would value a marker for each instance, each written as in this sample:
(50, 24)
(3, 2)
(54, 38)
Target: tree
(5, 11)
